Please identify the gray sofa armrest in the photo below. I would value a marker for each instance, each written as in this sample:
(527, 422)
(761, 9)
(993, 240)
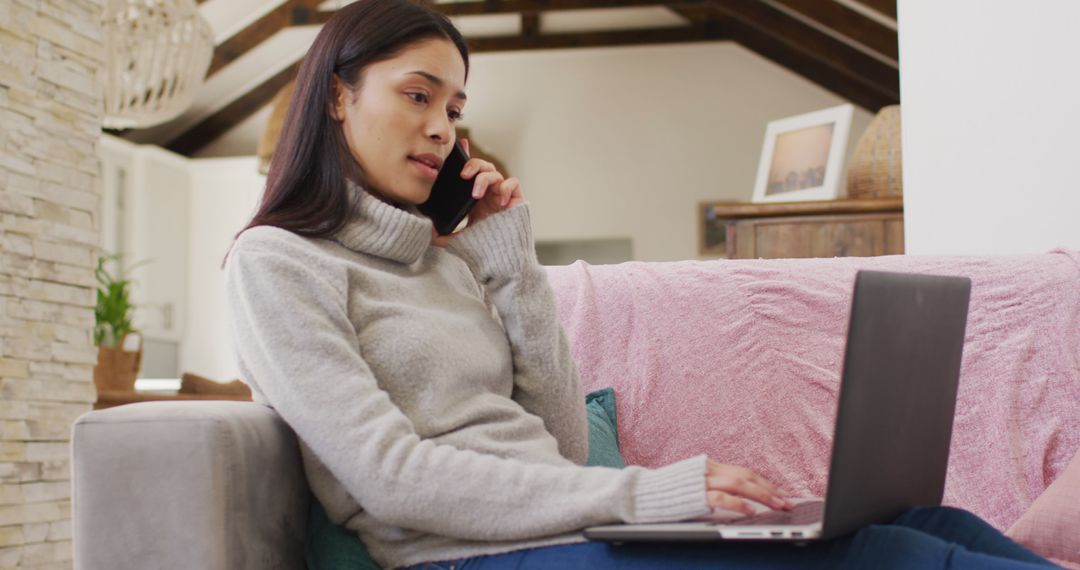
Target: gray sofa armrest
(213, 485)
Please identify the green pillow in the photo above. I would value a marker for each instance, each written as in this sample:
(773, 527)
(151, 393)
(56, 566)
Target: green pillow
(603, 430)
(332, 547)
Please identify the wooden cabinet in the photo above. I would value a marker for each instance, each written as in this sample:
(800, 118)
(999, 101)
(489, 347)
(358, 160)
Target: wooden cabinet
(831, 228)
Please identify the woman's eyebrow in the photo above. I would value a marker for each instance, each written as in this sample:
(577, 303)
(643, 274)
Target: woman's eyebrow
(437, 81)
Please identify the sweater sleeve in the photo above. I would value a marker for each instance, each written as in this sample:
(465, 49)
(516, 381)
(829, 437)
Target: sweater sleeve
(295, 342)
(501, 254)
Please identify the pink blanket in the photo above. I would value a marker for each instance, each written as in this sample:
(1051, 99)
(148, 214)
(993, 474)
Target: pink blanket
(741, 360)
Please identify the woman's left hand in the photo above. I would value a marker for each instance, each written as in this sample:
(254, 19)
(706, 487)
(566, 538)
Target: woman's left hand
(493, 192)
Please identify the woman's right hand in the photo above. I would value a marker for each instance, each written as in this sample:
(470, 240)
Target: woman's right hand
(727, 485)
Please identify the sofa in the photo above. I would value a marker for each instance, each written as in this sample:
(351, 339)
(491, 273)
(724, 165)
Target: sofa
(740, 359)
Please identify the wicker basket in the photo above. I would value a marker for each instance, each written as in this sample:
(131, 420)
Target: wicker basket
(875, 164)
(116, 369)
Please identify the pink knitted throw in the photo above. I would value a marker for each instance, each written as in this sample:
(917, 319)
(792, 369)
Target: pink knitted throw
(742, 359)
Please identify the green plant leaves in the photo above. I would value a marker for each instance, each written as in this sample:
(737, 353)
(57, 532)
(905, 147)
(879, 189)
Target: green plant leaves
(112, 314)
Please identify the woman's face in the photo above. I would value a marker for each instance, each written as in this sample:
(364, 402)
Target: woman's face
(403, 116)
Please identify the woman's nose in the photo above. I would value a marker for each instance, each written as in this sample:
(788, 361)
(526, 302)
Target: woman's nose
(439, 128)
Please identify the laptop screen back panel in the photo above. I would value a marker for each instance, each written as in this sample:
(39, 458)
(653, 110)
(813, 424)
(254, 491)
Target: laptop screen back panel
(901, 371)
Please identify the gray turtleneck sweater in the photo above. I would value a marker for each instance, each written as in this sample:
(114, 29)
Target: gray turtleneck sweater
(432, 389)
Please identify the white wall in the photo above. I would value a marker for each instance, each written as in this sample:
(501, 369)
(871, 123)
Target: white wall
(224, 193)
(145, 209)
(990, 115)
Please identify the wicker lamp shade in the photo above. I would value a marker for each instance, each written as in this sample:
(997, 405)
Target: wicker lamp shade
(157, 54)
(875, 165)
(269, 139)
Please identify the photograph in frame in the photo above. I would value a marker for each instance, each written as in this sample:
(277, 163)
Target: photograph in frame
(802, 156)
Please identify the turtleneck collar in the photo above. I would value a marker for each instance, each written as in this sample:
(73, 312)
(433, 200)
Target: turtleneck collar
(380, 229)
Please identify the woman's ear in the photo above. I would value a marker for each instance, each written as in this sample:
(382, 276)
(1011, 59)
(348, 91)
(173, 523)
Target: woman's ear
(340, 98)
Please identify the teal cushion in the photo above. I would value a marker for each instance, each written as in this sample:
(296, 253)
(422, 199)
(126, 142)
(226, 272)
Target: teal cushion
(332, 547)
(603, 430)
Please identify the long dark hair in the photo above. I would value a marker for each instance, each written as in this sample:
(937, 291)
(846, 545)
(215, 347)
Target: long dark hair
(306, 190)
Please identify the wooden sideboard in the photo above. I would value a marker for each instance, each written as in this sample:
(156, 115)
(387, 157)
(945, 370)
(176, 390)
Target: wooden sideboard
(829, 228)
(110, 398)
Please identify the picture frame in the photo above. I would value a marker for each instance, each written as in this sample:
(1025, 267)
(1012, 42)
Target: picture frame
(802, 156)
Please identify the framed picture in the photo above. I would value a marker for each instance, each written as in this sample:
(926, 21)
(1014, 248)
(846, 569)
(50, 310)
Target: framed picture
(802, 156)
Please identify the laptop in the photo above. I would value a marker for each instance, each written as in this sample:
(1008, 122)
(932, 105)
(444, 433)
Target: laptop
(893, 423)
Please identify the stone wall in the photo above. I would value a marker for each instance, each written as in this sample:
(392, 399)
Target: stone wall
(50, 115)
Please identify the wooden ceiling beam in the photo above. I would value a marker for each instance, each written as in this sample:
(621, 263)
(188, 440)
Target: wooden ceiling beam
(849, 23)
(488, 7)
(232, 114)
(651, 36)
(809, 67)
(292, 12)
(885, 7)
(816, 45)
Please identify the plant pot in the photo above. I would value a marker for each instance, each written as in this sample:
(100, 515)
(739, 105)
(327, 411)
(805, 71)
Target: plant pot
(116, 369)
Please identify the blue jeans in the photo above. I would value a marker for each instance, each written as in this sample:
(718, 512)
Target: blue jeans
(923, 538)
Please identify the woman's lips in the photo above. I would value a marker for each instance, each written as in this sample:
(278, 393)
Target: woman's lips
(425, 170)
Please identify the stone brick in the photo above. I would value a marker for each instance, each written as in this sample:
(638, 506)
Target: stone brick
(21, 225)
(11, 536)
(74, 335)
(19, 472)
(14, 430)
(60, 530)
(33, 310)
(70, 233)
(47, 451)
(22, 185)
(71, 254)
(54, 292)
(77, 316)
(48, 29)
(13, 451)
(18, 244)
(27, 348)
(15, 264)
(36, 532)
(48, 390)
(74, 353)
(47, 429)
(49, 211)
(15, 204)
(84, 219)
(57, 470)
(44, 492)
(10, 557)
(83, 17)
(81, 373)
(11, 494)
(13, 410)
(34, 512)
(10, 368)
(43, 552)
(48, 566)
(66, 73)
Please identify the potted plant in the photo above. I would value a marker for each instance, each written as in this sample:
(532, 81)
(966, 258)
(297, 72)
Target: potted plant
(118, 357)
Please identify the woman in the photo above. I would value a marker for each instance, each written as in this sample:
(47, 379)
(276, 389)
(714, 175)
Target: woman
(427, 378)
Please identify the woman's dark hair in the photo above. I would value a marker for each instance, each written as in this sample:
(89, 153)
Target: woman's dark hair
(306, 190)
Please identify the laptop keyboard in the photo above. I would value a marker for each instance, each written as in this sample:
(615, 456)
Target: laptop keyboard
(803, 513)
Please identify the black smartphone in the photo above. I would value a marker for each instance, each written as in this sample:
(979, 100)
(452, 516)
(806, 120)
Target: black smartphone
(451, 195)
